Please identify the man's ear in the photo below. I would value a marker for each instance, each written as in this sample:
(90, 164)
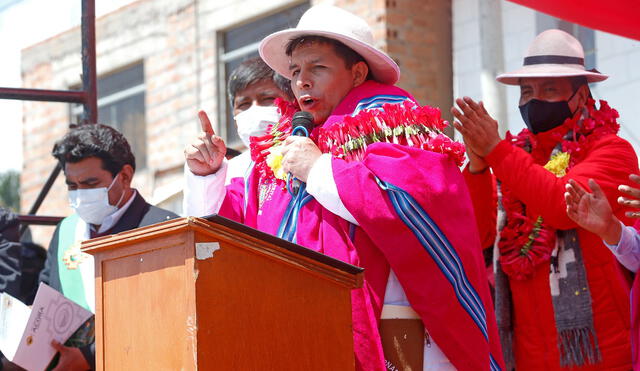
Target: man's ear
(127, 175)
(360, 71)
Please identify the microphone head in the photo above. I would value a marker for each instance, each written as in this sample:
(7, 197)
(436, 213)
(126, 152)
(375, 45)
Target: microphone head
(304, 119)
(302, 123)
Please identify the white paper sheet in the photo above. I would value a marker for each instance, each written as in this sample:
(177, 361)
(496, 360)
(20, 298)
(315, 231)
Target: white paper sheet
(52, 316)
(14, 316)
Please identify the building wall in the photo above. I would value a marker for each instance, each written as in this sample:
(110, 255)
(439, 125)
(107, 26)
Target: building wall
(615, 55)
(518, 29)
(619, 57)
(419, 34)
(177, 40)
(156, 32)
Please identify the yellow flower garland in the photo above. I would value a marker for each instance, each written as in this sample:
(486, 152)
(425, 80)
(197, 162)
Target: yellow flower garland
(558, 164)
(274, 161)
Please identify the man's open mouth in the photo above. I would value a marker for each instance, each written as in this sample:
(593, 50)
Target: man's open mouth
(306, 101)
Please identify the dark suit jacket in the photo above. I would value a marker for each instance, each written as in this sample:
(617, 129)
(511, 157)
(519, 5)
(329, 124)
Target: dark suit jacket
(9, 253)
(139, 214)
(10, 267)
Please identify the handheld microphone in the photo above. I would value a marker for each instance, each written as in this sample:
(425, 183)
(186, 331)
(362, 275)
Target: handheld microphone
(302, 124)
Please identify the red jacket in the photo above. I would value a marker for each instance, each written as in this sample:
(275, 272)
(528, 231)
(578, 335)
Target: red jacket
(635, 315)
(609, 161)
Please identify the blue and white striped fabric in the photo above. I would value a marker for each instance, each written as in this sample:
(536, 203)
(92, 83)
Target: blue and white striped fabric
(289, 223)
(443, 254)
(377, 101)
(494, 365)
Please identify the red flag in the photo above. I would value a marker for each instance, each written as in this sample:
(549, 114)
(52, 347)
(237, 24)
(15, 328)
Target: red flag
(620, 17)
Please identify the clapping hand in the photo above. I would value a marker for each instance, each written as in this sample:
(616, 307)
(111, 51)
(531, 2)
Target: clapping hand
(479, 129)
(592, 211)
(633, 202)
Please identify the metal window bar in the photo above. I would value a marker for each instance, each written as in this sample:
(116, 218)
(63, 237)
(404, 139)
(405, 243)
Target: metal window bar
(87, 97)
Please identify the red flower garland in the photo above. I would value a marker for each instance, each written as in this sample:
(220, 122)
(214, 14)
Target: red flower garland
(526, 241)
(406, 124)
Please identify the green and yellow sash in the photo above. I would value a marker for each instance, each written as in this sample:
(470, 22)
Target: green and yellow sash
(69, 258)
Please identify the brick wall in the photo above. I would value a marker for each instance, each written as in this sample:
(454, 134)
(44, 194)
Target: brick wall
(177, 42)
(159, 33)
(43, 124)
(417, 35)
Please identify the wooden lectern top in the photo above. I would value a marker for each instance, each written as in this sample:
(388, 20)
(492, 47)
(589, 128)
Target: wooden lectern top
(212, 294)
(246, 236)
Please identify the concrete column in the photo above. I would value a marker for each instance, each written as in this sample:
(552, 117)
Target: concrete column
(492, 61)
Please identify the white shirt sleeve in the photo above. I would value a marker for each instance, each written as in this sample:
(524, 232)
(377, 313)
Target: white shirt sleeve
(322, 186)
(203, 195)
(627, 251)
(238, 167)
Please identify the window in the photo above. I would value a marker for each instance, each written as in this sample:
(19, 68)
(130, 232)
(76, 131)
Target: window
(585, 35)
(121, 104)
(241, 43)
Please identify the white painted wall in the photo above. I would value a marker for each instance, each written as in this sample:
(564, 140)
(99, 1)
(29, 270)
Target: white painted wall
(466, 49)
(619, 57)
(615, 55)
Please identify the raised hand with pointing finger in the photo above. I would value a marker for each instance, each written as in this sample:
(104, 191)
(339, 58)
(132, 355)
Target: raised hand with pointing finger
(205, 154)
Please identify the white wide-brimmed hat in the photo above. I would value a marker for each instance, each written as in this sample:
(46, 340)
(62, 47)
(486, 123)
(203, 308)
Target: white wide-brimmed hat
(334, 23)
(553, 53)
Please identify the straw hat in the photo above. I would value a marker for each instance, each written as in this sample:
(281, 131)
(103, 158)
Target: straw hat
(553, 53)
(334, 23)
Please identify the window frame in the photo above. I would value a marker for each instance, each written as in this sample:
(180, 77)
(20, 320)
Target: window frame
(76, 110)
(224, 112)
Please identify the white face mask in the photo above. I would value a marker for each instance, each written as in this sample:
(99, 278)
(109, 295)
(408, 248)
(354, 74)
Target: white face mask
(92, 205)
(255, 121)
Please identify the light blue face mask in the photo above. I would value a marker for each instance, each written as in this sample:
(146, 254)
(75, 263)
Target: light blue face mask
(92, 205)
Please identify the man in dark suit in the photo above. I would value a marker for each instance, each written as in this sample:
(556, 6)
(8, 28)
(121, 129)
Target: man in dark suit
(98, 166)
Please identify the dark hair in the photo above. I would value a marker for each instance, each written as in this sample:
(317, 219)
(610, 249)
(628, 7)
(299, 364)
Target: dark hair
(348, 55)
(95, 140)
(577, 82)
(252, 71)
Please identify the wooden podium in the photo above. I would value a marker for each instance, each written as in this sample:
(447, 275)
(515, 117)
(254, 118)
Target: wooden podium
(213, 294)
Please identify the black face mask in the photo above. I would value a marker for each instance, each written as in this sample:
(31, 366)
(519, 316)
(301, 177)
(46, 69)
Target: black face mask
(541, 116)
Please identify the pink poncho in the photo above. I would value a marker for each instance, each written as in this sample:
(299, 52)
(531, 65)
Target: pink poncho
(414, 216)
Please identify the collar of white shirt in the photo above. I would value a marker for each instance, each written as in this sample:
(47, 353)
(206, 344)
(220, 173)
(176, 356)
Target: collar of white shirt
(112, 219)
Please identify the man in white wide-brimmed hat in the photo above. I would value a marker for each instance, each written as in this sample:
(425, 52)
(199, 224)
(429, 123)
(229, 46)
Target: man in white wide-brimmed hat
(577, 315)
(375, 184)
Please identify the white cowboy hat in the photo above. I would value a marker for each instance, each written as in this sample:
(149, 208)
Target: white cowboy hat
(334, 23)
(553, 53)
